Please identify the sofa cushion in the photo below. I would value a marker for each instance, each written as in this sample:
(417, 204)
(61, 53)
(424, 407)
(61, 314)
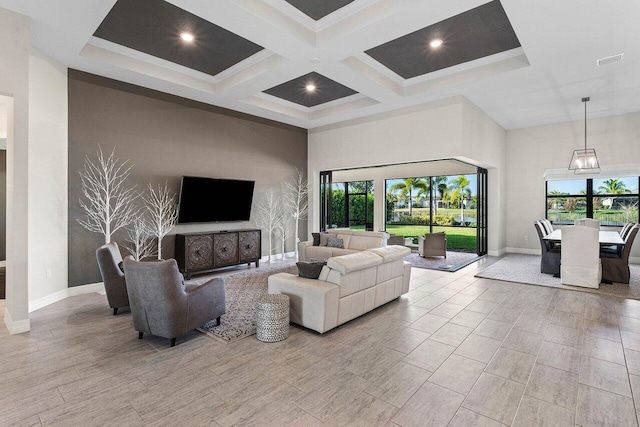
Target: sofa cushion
(324, 237)
(335, 242)
(310, 270)
(354, 262)
(316, 239)
(391, 253)
(359, 242)
(346, 238)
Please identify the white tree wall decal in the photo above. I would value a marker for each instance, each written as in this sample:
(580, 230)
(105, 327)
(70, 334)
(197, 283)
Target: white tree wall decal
(296, 202)
(107, 199)
(163, 213)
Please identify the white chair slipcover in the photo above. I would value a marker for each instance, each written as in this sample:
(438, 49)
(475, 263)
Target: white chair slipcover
(593, 223)
(580, 259)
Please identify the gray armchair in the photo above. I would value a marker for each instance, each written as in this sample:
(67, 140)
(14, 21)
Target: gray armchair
(432, 244)
(109, 260)
(163, 306)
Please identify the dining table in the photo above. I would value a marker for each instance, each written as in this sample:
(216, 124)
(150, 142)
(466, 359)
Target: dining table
(606, 238)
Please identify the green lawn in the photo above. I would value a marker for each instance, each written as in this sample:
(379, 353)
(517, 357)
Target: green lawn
(458, 238)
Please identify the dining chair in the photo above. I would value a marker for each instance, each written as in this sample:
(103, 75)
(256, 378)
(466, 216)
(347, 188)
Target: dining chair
(547, 225)
(615, 263)
(580, 260)
(625, 230)
(550, 260)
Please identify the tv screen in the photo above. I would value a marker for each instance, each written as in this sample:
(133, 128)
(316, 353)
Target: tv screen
(214, 200)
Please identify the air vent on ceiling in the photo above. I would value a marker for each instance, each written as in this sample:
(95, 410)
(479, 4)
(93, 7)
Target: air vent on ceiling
(609, 59)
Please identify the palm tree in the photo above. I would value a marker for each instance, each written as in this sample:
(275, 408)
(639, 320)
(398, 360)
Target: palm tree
(613, 186)
(440, 184)
(406, 188)
(459, 192)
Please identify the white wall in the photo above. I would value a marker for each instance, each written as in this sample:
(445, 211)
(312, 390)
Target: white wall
(532, 150)
(48, 145)
(446, 129)
(14, 82)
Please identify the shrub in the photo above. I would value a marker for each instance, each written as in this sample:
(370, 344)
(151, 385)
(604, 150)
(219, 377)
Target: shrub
(443, 220)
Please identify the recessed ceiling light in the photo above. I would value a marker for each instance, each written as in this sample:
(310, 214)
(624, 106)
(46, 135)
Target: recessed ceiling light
(435, 43)
(188, 37)
(311, 87)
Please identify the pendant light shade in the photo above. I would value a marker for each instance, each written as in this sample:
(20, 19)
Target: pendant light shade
(584, 160)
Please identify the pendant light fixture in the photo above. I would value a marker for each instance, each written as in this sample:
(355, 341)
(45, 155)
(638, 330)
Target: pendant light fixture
(584, 160)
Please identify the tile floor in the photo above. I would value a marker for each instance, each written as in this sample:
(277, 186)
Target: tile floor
(456, 351)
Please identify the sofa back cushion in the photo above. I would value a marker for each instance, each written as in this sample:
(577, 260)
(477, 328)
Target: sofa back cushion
(362, 243)
(354, 262)
(391, 253)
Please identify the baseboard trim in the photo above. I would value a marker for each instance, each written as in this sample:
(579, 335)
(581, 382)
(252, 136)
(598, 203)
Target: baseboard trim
(523, 251)
(65, 293)
(634, 260)
(17, 327)
(499, 252)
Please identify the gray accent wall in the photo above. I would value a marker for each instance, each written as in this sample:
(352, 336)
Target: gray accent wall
(166, 137)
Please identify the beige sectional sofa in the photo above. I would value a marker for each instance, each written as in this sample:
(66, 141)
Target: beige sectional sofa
(353, 241)
(348, 286)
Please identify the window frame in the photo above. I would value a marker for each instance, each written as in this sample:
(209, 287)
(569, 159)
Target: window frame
(589, 197)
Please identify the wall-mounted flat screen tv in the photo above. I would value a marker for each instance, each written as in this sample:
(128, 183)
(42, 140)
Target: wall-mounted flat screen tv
(214, 200)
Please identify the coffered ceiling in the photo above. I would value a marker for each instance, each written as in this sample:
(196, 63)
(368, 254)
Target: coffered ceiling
(523, 63)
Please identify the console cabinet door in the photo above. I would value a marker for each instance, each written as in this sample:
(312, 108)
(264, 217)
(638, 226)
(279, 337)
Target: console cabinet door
(225, 249)
(249, 242)
(199, 250)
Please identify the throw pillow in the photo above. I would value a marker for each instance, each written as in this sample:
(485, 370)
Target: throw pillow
(310, 270)
(316, 239)
(323, 239)
(335, 242)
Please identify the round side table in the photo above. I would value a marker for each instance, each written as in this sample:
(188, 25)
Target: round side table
(272, 318)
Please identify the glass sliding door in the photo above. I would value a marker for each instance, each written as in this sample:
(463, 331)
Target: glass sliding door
(325, 200)
(481, 212)
(360, 206)
(351, 205)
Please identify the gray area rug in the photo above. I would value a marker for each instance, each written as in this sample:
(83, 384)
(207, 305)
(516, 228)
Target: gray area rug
(243, 290)
(453, 262)
(526, 269)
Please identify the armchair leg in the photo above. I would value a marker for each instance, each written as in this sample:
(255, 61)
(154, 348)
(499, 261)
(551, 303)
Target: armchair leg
(115, 311)
(218, 321)
(173, 342)
(140, 335)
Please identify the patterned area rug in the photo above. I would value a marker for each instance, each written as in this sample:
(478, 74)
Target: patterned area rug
(526, 269)
(243, 291)
(453, 262)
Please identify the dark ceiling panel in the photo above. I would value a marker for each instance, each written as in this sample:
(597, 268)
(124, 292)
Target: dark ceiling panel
(295, 90)
(318, 9)
(154, 27)
(476, 33)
